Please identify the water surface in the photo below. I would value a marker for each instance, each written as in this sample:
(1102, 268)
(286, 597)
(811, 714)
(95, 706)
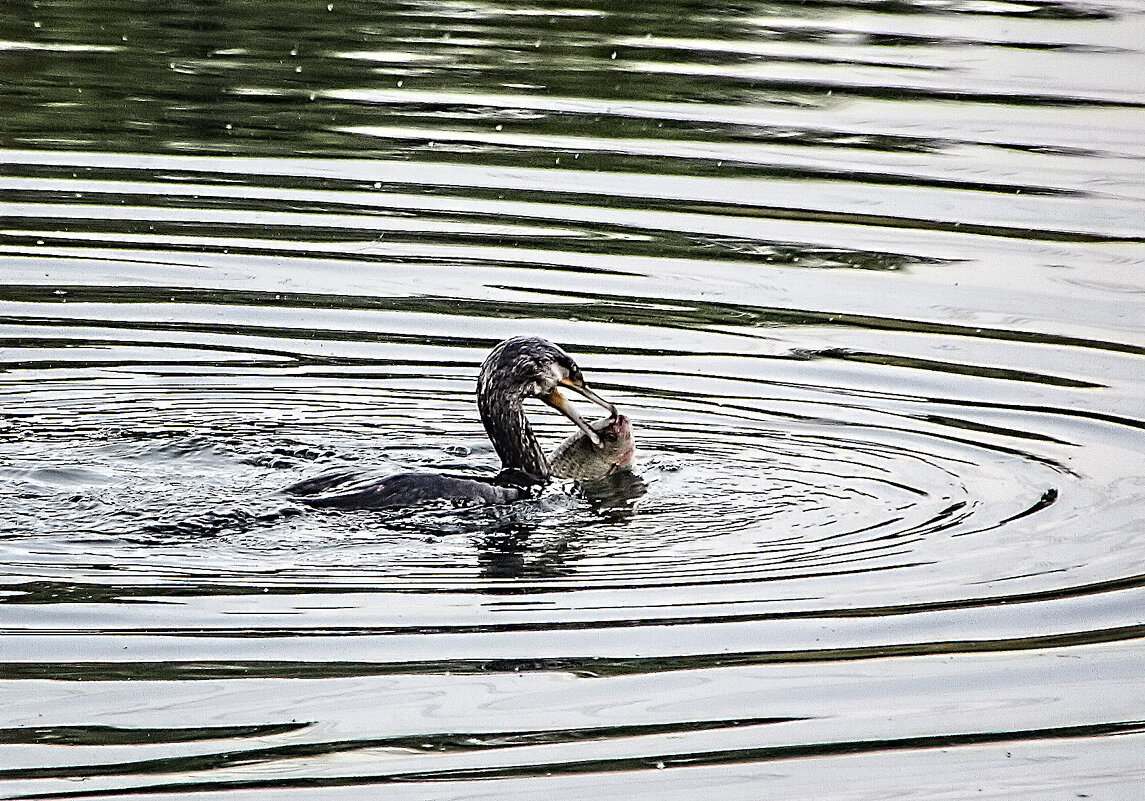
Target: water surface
(866, 276)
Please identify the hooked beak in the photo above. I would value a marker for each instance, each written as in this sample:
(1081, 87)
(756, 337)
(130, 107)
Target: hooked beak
(558, 402)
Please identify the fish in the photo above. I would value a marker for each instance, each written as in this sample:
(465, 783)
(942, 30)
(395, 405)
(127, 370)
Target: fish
(577, 458)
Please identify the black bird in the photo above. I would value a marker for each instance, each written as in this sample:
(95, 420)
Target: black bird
(516, 370)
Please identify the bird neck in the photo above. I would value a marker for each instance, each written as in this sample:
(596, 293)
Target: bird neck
(512, 436)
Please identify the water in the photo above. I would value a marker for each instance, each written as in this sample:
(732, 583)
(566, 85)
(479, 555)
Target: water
(866, 276)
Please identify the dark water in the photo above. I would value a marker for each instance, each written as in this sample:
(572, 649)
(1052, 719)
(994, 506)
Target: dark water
(867, 276)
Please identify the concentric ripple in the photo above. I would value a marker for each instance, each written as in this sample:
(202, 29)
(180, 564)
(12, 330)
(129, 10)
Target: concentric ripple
(737, 482)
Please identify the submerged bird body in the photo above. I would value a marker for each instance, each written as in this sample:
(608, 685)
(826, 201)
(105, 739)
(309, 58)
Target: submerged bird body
(516, 370)
(365, 491)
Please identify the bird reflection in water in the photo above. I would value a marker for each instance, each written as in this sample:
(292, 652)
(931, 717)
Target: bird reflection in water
(521, 546)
